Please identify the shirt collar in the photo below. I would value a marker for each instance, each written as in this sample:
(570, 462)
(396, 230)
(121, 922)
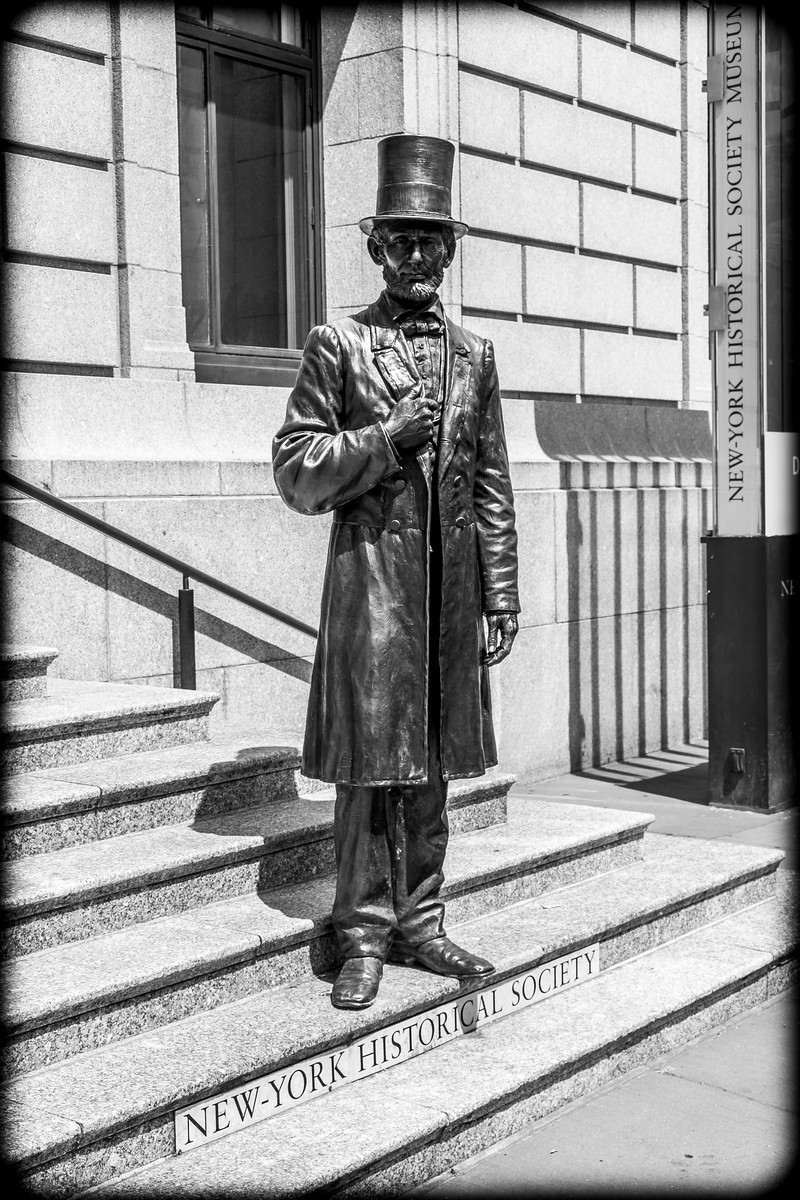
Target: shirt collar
(398, 308)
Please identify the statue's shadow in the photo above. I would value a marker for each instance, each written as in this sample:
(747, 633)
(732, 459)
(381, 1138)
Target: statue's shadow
(294, 880)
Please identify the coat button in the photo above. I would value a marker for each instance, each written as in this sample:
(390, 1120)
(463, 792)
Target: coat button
(394, 526)
(461, 522)
(458, 481)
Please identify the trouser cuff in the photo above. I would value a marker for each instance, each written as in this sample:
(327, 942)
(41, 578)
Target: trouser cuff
(364, 941)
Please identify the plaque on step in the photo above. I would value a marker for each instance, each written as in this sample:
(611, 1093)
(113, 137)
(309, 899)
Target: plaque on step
(273, 1093)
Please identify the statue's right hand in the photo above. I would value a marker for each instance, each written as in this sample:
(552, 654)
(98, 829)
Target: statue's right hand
(410, 423)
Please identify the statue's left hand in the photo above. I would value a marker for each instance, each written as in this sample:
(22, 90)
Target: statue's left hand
(505, 626)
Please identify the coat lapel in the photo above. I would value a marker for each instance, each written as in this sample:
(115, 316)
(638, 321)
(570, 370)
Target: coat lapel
(390, 354)
(457, 395)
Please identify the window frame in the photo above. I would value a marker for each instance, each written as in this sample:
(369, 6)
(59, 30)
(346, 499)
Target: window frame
(275, 366)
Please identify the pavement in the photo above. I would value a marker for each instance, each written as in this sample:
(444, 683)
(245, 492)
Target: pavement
(717, 1115)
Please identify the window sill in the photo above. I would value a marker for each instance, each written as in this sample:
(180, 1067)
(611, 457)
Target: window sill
(277, 369)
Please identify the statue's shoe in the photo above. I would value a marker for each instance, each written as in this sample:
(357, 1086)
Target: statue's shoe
(442, 956)
(357, 983)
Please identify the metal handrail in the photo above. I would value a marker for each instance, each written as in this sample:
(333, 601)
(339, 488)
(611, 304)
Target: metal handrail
(185, 593)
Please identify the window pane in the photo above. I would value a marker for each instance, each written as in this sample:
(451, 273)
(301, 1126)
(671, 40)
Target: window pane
(291, 25)
(278, 22)
(261, 204)
(194, 193)
(191, 12)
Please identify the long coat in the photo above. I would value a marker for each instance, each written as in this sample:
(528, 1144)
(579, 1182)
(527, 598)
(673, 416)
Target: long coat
(368, 709)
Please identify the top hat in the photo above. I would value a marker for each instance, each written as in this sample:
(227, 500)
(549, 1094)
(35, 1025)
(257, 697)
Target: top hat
(414, 181)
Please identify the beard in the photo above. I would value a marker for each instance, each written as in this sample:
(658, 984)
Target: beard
(415, 291)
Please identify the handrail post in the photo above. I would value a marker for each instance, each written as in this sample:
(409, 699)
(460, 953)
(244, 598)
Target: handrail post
(186, 636)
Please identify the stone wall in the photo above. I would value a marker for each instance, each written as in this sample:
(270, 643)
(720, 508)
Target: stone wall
(582, 171)
(579, 257)
(92, 277)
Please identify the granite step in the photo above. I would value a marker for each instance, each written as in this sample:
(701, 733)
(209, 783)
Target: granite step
(78, 721)
(60, 807)
(79, 892)
(63, 1001)
(23, 671)
(481, 1087)
(111, 1109)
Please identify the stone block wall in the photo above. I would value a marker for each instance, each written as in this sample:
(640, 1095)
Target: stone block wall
(582, 138)
(386, 68)
(92, 282)
(579, 176)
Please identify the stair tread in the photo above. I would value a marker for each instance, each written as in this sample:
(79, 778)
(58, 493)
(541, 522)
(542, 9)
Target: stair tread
(431, 1096)
(60, 981)
(74, 873)
(150, 1073)
(55, 791)
(72, 705)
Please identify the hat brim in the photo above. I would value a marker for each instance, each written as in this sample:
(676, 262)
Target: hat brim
(458, 227)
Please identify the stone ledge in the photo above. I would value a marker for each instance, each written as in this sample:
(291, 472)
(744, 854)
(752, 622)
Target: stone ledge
(163, 426)
(622, 431)
(116, 479)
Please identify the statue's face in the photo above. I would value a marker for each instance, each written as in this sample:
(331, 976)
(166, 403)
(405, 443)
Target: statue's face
(414, 259)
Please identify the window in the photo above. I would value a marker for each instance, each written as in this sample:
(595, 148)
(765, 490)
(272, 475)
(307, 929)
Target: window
(248, 153)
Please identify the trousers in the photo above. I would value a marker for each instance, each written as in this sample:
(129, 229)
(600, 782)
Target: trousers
(390, 842)
(390, 846)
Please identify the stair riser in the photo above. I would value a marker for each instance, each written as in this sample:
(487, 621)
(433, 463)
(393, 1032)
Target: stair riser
(148, 812)
(23, 687)
(317, 954)
(456, 1145)
(292, 864)
(24, 673)
(480, 813)
(475, 900)
(138, 1014)
(91, 744)
(127, 1149)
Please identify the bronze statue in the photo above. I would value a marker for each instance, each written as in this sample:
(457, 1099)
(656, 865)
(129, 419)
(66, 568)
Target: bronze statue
(395, 426)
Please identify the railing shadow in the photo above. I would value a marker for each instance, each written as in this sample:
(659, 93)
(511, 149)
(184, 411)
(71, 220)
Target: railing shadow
(283, 872)
(156, 600)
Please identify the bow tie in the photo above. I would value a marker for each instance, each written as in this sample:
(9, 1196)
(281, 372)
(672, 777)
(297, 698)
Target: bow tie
(421, 325)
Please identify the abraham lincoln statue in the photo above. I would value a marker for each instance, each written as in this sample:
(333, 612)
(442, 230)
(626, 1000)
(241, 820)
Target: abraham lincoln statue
(395, 426)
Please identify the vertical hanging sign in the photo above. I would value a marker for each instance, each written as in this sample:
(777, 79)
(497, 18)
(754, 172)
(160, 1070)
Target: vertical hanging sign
(736, 258)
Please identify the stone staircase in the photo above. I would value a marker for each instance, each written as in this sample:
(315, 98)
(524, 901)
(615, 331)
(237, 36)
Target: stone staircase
(169, 952)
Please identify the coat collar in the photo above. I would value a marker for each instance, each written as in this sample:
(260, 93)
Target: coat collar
(384, 331)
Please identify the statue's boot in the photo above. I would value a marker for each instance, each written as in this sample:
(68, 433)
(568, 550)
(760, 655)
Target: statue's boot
(357, 983)
(442, 956)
